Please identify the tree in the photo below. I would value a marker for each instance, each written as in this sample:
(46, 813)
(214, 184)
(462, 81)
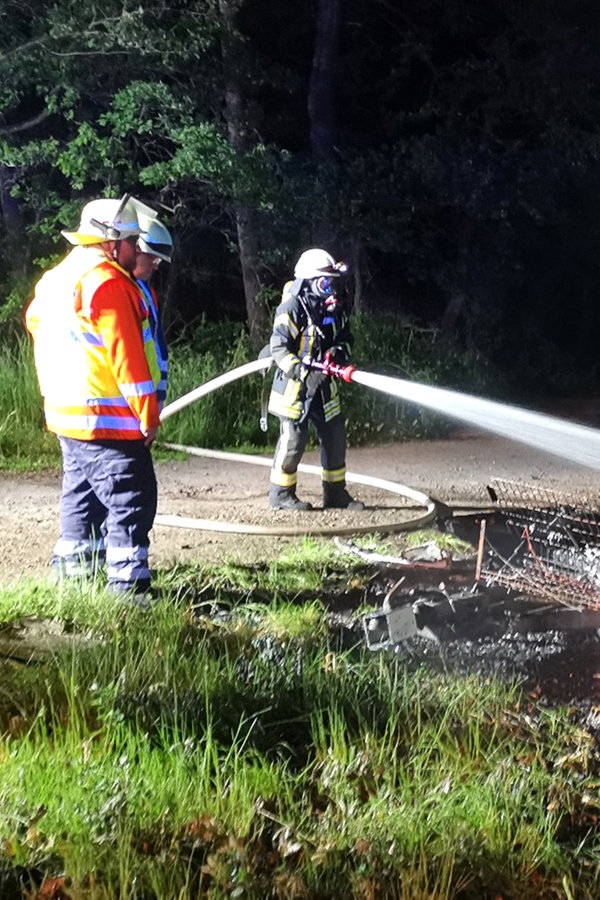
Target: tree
(321, 101)
(242, 137)
(449, 149)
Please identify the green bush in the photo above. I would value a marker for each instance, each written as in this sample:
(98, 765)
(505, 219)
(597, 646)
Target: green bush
(11, 310)
(230, 417)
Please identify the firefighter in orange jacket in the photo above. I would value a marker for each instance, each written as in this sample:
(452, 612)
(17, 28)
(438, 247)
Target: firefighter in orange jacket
(97, 367)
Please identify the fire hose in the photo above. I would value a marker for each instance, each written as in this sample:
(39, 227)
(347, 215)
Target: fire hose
(427, 505)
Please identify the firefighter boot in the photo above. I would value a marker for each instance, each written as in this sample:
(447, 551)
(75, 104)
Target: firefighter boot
(285, 498)
(335, 496)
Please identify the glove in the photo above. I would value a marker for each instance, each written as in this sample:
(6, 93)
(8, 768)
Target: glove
(336, 356)
(314, 381)
(328, 363)
(335, 368)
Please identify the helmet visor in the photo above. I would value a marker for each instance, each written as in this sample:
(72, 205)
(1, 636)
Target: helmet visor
(161, 251)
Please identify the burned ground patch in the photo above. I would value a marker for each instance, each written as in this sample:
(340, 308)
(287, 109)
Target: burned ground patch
(524, 607)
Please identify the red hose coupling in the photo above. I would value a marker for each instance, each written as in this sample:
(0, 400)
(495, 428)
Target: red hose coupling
(345, 372)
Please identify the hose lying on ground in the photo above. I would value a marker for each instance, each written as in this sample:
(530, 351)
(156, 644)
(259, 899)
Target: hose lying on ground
(422, 500)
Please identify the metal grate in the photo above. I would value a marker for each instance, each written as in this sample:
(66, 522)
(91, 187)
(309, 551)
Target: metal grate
(556, 556)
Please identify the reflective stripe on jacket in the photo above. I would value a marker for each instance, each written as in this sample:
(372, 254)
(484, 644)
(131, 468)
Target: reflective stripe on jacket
(95, 355)
(300, 330)
(158, 334)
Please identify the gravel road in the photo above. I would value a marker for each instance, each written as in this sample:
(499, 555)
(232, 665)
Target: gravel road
(455, 471)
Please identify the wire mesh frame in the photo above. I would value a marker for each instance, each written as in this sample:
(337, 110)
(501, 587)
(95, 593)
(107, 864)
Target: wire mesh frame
(558, 558)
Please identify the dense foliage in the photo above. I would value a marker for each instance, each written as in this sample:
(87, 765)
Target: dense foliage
(448, 150)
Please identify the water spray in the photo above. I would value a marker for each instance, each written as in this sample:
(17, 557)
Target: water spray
(577, 443)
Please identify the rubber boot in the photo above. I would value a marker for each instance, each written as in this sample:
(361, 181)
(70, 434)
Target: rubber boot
(285, 498)
(335, 496)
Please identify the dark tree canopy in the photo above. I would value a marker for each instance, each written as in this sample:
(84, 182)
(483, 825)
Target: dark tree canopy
(449, 150)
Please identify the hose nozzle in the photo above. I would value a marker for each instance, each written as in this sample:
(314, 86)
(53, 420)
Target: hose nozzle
(330, 368)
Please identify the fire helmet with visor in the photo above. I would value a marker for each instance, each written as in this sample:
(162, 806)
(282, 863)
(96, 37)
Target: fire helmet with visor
(319, 267)
(109, 219)
(154, 238)
(105, 220)
(315, 262)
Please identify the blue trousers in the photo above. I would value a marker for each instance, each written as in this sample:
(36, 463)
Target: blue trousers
(107, 509)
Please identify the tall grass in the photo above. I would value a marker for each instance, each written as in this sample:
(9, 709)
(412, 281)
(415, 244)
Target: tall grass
(246, 754)
(23, 441)
(230, 418)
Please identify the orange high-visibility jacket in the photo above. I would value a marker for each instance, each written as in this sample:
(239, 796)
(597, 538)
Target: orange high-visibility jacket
(94, 352)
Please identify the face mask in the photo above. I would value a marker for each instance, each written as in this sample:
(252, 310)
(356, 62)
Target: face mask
(323, 287)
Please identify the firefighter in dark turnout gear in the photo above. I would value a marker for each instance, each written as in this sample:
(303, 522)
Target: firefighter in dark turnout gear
(311, 324)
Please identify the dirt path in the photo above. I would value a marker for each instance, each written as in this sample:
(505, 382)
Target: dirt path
(454, 471)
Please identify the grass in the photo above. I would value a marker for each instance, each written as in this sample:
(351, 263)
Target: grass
(23, 442)
(232, 742)
(236, 749)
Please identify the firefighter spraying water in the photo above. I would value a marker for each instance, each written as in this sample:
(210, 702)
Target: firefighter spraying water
(311, 326)
(310, 346)
(576, 443)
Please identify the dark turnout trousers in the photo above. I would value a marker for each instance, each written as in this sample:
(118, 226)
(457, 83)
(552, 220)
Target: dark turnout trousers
(107, 508)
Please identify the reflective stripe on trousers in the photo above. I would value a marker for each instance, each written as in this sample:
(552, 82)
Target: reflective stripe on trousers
(109, 496)
(292, 443)
(78, 558)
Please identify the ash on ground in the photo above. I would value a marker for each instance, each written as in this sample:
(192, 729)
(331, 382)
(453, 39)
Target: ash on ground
(505, 640)
(523, 607)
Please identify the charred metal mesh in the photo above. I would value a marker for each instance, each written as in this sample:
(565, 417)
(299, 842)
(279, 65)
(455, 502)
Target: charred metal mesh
(556, 558)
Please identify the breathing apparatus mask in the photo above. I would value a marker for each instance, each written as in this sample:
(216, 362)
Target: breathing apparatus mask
(329, 289)
(324, 288)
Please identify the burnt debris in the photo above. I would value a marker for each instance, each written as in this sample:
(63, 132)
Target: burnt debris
(536, 570)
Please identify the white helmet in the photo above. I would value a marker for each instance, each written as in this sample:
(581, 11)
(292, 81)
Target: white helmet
(315, 262)
(155, 238)
(106, 220)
